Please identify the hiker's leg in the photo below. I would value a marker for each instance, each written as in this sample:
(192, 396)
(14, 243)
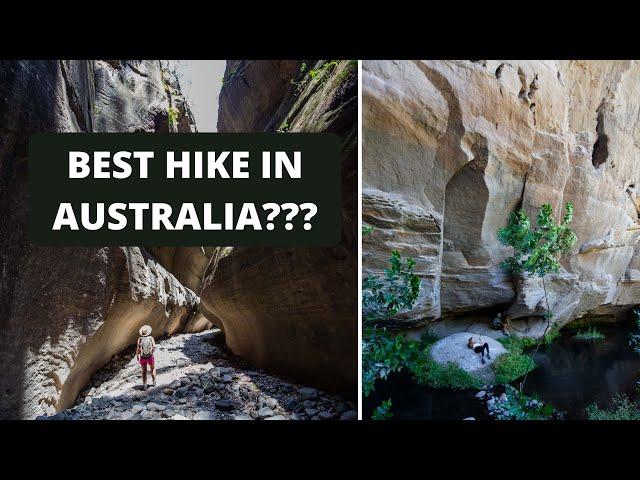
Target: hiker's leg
(144, 375)
(153, 372)
(486, 345)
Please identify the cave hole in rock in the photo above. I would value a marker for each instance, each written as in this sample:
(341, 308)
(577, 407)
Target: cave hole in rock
(466, 198)
(601, 146)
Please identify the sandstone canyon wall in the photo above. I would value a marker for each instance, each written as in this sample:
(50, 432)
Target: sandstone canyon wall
(65, 311)
(451, 148)
(292, 310)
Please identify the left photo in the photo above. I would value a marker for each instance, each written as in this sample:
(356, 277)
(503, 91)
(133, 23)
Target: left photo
(178, 332)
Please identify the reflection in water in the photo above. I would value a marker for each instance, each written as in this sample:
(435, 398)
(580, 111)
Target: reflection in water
(571, 375)
(412, 402)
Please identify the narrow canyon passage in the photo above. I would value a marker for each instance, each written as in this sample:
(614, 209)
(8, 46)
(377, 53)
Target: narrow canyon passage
(199, 379)
(66, 311)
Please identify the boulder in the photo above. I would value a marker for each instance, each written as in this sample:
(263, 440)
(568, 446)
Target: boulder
(454, 349)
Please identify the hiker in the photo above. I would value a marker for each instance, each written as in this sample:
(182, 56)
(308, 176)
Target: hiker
(498, 323)
(479, 347)
(144, 353)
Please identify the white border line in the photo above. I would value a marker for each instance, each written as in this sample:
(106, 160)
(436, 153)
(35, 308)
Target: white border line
(359, 246)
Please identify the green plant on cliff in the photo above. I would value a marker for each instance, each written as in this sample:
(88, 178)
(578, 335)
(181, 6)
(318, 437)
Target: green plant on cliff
(384, 297)
(173, 114)
(536, 250)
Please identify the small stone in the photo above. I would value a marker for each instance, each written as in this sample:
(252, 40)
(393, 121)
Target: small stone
(175, 385)
(265, 412)
(308, 393)
(226, 405)
(326, 415)
(210, 388)
(181, 392)
(154, 407)
(184, 381)
(291, 404)
(481, 394)
(179, 417)
(204, 415)
(311, 411)
(242, 417)
(168, 391)
(271, 402)
(469, 418)
(276, 417)
(137, 408)
(503, 398)
(227, 378)
(309, 404)
(349, 415)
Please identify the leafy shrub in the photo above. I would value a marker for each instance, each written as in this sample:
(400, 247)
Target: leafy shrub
(383, 298)
(536, 249)
(383, 411)
(591, 334)
(621, 409)
(383, 354)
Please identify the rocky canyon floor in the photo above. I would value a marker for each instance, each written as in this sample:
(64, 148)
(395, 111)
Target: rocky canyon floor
(198, 379)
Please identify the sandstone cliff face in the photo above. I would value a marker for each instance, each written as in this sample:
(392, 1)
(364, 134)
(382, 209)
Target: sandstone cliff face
(65, 311)
(292, 310)
(452, 147)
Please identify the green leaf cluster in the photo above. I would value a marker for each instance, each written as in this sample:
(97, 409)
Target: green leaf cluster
(536, 249)
(384, 297)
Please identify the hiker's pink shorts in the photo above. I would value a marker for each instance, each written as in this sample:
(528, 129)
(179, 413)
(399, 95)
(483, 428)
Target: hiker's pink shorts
(147, 361)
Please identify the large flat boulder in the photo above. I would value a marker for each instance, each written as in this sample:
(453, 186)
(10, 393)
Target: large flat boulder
(453, 349)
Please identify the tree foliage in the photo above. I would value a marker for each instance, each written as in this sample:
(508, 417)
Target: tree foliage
(536, 249)
(384, 297)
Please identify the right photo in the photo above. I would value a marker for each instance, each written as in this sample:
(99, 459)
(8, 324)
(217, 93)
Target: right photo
(500, 254)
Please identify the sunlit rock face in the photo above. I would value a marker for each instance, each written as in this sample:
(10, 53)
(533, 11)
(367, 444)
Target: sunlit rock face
(451, 148)
(292, 310)
(65, 311)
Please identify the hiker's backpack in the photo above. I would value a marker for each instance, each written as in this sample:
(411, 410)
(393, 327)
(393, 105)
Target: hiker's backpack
(146, 346)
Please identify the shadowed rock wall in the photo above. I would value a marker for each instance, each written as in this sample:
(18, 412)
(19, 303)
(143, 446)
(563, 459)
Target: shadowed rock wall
(293, 310)
(65, 311)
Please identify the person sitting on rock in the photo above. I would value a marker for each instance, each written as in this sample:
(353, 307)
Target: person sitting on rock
(144, 353)
(498, 323)
(479, 347)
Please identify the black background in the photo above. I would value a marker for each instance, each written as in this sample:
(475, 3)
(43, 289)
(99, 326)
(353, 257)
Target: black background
(49, 186)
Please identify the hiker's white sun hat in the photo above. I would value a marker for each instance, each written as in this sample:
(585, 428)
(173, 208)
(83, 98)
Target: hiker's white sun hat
(145, 330)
